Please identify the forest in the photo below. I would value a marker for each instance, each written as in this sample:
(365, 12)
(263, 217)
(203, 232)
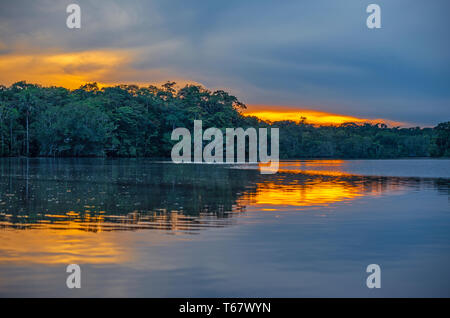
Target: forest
(133, 121)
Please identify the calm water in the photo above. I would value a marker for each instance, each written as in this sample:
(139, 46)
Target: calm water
(155, 229)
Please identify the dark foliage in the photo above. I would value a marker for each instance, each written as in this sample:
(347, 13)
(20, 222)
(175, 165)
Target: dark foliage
(132, 121)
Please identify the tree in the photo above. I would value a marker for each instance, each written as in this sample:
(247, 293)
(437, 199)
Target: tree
(133, 121)
(442, 139)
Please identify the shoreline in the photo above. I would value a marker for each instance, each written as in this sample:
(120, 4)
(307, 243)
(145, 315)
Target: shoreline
(287, 159)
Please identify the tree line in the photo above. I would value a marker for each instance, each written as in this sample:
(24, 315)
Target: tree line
(133, 121)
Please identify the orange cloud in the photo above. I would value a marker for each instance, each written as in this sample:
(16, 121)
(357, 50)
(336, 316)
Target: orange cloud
(112, 67)
(277, 113)
(71, 70)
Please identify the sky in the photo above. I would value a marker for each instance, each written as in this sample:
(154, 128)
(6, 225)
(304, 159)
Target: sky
(307, 56)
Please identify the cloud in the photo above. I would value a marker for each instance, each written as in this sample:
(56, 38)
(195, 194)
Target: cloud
(293, 53)
(107, 67)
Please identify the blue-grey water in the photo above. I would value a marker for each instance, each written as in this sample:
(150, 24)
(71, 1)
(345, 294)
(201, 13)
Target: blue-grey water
(139, 228)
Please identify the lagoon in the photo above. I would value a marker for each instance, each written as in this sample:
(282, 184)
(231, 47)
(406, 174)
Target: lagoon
(142, 228)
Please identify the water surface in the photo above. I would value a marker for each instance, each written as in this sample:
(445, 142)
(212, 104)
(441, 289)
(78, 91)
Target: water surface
(140, 228)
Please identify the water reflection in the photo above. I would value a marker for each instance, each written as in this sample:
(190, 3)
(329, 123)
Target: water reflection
(100, 195)
(93, 195)
(52, 246)
(136, 218)
(317, 190)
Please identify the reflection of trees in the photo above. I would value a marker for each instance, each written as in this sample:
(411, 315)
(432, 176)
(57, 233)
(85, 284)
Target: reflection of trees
(97, 194)
(443, 186)
(119, 191)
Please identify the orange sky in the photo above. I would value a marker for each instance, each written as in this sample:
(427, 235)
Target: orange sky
(276, 113)
(111, 67)
(73, 69)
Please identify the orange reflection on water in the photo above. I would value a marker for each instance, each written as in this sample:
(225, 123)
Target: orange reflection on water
(50, 245)
(319, 183)
(93, 239)
(321, 194)
(74, 240)
(319, 167)
(95, 236)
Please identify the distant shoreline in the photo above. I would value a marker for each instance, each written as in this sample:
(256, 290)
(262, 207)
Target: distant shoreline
(287, 159)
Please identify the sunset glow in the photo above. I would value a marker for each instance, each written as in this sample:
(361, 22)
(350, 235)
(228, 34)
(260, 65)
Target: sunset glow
(111, 67)
(74, 69)
(70, 70)
(276, 113)
(318, 191)
(272, 194)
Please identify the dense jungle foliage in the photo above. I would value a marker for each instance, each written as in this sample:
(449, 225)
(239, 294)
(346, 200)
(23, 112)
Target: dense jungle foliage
(132, 121)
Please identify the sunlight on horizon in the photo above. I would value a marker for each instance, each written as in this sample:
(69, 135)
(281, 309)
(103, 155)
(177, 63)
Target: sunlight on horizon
(276, 113)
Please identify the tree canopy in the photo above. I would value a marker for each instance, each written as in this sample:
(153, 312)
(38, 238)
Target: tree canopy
(133, 121)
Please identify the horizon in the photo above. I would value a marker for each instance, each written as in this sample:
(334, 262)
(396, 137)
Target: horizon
(274, 113)
(331, 63)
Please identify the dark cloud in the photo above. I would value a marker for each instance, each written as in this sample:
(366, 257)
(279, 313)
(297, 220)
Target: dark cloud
(299, 53)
